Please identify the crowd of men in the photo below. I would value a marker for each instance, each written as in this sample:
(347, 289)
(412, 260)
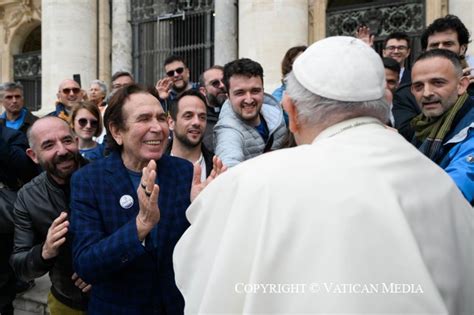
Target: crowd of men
(353, 189)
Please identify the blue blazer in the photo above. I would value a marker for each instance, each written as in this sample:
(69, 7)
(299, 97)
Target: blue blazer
(127, 277)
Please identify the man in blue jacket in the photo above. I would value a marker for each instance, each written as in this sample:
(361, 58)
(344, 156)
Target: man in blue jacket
(444, 129)
(128, 211)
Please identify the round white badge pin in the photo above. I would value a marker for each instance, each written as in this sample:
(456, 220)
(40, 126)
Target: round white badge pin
(126, 201)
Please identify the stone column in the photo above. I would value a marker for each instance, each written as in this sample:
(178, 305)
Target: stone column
(225, 32)
(69, 45)
(317, 23)
(121, 36)
(464, 9)
(105, 41)
(267, 29)
(435, 9)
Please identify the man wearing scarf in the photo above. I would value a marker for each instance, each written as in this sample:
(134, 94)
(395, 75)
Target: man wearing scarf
(444, 129)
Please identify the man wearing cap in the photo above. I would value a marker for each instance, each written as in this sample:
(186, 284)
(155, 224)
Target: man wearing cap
(354, 220)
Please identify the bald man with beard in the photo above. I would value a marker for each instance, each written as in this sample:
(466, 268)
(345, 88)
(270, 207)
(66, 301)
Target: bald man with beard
(42, 241)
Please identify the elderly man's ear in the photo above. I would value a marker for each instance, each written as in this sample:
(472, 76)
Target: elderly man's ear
(290, 109)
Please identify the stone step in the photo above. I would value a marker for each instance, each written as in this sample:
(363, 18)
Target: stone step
(34, 301)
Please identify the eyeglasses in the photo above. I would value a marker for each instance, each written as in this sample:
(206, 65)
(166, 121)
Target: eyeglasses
(177, 70)
(74, 90)
(216, 83)
(392, 48)
(83, 122)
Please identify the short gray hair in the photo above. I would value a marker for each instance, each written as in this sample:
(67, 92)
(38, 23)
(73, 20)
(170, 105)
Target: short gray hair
(9, 86)
(313, 109)
(102, 85)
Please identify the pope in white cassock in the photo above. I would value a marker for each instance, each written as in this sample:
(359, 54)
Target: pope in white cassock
(352, 221)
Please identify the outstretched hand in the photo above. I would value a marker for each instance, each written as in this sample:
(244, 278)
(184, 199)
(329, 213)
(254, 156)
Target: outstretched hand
(363, 33)
(163, 87)
(468, 72)
(197, 186)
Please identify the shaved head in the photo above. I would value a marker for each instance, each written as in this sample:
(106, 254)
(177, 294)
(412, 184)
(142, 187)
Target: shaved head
(69, 92)
(48, 122)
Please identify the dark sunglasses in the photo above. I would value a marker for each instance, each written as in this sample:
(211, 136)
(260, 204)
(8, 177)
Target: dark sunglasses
(83, 122)
(177, 70)
(216, 83)
(74, 90)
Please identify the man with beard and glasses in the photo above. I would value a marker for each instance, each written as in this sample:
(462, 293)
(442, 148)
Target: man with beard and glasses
(187, 120)
(175, 82)
(41, 241)
(213, 88)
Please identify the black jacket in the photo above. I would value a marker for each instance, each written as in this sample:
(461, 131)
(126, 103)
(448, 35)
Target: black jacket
(38, 203)
(16, 168)
(212, 117)
(404, 109)
(206, 154)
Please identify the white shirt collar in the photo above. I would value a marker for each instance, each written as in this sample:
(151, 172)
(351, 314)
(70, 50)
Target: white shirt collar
(344, 125)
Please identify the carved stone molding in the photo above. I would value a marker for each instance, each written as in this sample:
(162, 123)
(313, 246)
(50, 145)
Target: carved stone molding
(26, 11)
(27, 65)
(383, 19)
(150, 9)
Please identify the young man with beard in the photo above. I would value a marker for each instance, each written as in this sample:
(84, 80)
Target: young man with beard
(187, 120)
(213, 88)
(251, 122)
(175, 82)
(41, 241)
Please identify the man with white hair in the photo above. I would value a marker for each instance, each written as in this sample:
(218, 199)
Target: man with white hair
(354, 220)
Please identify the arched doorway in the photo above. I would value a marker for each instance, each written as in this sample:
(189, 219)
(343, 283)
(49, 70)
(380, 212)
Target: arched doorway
(27, 69)
(383, 17)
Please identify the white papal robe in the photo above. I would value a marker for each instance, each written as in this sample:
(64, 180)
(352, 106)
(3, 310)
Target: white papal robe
(358, 222)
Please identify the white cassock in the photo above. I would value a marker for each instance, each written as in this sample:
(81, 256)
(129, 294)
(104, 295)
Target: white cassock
(358, 222)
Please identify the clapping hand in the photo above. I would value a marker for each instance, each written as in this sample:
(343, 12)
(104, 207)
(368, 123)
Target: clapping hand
(197, 186)
(149, 213)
